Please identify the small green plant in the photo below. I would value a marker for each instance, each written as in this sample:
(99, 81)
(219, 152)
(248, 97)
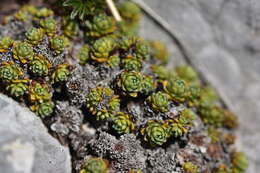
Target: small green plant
(59, 43)
(222, 169)
(82, 8)
(39, 66)
(21, 15)
(5, 43)
(131, 14)
(61, 73)
(44, 12)
(83, 54)
(9, 71)
(130, 83)
(176, 89)
(100, 25)
(148, 85)
(193, 95)
(230, 120)
(132, 64)
(30, 9)
(239, 162)
(159, 101)
(179, 126)
(214, 134)
(43, 109)
(34, 35)
(162, 73)
(122, 123)
(188, 74)
(159, 51)
(128, 41)
(134, 171)
(17, 88)
(211, 114)
(49, 26)
(155, 132)
(142, 50)
(100, 51)
(113, 61)
(189, 167)
(102, 102)
(23, 52)
(95, 165)
(39, 93)
(71, 28)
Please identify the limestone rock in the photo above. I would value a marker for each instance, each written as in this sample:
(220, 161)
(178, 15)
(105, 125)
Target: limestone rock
(25, 144)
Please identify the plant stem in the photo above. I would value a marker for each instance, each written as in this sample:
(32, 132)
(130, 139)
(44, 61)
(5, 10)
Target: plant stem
(114, 10)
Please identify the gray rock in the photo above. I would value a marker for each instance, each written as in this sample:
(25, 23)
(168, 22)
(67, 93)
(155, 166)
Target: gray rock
(25, 144)
(221, 38)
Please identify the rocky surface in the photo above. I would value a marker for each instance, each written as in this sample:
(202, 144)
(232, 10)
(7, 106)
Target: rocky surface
(221, 38)
(25, 144)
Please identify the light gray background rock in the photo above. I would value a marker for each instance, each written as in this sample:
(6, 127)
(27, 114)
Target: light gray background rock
(222, 39)
(25, 144)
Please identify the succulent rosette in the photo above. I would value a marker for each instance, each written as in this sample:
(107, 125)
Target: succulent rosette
(49, 26)
(155, 132)
(130, 83)
(34, 35)
(159, 101)
(23, 52)
(95, 165)
(61, 73)
(43, 109)
(39, 66)
(176, 89)
(9, 71)
(38, 93)
(5, 43)
(59, 43)
(100, 50)
(17, 88)
(122, 123)
(100, 25)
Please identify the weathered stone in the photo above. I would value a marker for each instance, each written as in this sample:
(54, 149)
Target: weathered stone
(25, 144)
(221, 38)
